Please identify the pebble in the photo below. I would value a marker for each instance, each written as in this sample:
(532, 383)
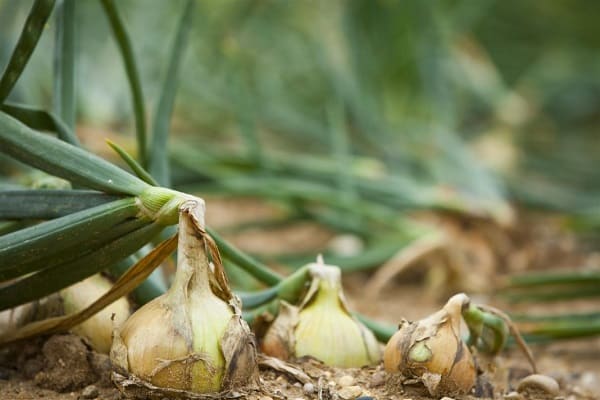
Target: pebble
(366, 398)
(298, 385)
(350, 392)
(513, 396)
(590, 381)
(89, 392)
(308, 388)
(283, 383)
(447, 398)
(377, 379)
(346, 380)
(537, 384)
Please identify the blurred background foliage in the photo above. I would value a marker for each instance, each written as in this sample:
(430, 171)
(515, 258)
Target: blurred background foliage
(433, 93)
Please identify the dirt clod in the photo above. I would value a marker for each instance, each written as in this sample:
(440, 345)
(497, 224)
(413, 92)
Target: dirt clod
(66, 365)
(102, 367)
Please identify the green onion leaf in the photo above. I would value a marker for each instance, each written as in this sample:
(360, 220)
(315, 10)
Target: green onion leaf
(64, 160)
(135, 167)
(64, 63)
(159, 157)
(32, 30)
(37, 241)
(124, 43)
(48, 204)
(58, 277)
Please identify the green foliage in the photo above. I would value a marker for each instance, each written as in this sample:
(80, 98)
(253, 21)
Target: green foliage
(64, 160)
(32, 30)
(129, 59)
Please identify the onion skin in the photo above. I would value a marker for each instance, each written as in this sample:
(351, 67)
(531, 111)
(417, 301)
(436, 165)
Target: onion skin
(432, 351)
(191, 340)
(322, 327)
(97, 329)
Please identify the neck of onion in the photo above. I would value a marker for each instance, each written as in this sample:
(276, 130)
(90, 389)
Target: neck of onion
(328, 294)
(454, 308)
(192, 275)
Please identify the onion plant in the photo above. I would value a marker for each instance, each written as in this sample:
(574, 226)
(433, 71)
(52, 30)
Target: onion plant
(107, 217)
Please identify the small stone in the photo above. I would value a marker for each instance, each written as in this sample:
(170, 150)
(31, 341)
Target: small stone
(513, 396)
(346, 380)
(350, 392)
(590, 381)
(446, 398)
(366, 398)
(308, 388)
(282, 382)
(89, 392)
(265, 398)
(298, 385)
(540, 385)
(377, 379)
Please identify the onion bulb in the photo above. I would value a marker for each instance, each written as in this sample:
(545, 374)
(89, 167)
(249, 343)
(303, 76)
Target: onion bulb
(432, 351)
(322, 326)
(97, 329)
(191, 340)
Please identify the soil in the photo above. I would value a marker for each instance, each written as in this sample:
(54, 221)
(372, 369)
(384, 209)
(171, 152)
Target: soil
(64, 367)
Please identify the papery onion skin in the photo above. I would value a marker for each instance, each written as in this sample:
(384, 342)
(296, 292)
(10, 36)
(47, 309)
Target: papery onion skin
(322, 327)
(191, 340)
(431, 350)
